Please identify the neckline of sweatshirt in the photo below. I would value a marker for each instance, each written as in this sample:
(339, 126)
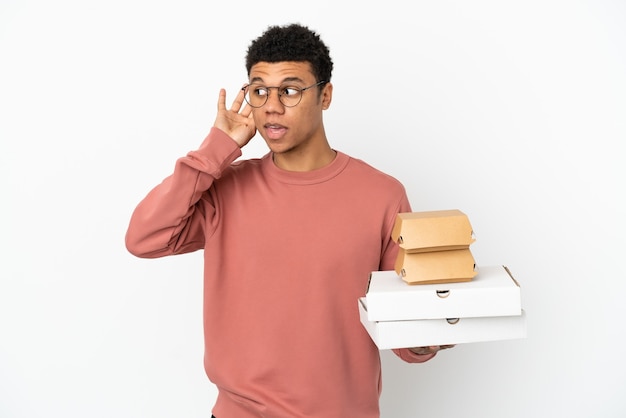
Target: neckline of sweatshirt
(320, 175)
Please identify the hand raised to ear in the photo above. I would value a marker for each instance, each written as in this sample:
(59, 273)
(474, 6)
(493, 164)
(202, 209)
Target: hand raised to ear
(236, 122)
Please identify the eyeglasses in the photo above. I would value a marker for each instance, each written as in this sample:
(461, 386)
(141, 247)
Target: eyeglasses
(256, 95)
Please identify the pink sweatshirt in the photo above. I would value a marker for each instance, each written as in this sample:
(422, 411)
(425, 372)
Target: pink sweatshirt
(287, 255)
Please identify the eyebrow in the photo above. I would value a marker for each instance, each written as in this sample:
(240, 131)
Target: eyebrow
(285, 80)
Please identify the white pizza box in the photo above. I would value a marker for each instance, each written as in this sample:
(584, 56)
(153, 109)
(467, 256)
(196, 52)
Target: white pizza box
(426, 332)
(492, 292)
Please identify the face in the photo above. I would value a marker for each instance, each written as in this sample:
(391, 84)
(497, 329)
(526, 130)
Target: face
(290, 129)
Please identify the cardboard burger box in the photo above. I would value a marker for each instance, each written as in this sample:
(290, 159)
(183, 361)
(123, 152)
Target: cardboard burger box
(434, 247)
(432, 231)
(442, 331)
(435, 266)
(493, 292)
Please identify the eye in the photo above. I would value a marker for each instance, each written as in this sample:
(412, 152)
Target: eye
(289, 91)
(259, 91)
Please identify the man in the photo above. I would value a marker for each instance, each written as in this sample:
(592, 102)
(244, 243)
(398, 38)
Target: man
(289, 241)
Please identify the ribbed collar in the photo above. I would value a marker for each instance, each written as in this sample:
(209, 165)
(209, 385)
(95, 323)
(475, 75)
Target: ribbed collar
(320, 175)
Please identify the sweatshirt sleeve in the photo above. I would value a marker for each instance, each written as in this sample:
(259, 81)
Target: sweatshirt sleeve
(171, 218)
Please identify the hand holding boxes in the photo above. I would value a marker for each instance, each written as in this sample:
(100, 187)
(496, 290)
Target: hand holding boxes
(436, 295)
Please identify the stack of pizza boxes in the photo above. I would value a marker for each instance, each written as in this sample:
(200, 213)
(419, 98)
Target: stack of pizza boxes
(436, 294)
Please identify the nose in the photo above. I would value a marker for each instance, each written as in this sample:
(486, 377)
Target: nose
(273, 100)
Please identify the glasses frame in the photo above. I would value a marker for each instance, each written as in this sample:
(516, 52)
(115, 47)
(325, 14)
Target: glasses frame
(302, 90)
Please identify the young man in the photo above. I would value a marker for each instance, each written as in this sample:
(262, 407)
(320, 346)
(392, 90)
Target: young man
(289, 242)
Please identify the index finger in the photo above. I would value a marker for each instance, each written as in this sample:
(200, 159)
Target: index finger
(239, 99)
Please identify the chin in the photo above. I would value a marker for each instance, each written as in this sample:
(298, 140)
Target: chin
(278, 148)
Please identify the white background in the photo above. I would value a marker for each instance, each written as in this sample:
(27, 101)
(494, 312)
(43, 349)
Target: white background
(514, 112)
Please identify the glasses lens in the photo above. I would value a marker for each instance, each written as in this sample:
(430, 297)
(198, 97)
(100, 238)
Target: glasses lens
(256, 96)
(290, 96)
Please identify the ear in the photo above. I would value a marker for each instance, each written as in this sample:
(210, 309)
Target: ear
(327, 95)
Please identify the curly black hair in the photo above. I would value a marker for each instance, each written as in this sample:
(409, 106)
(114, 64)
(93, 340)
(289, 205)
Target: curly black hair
(292, 42)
